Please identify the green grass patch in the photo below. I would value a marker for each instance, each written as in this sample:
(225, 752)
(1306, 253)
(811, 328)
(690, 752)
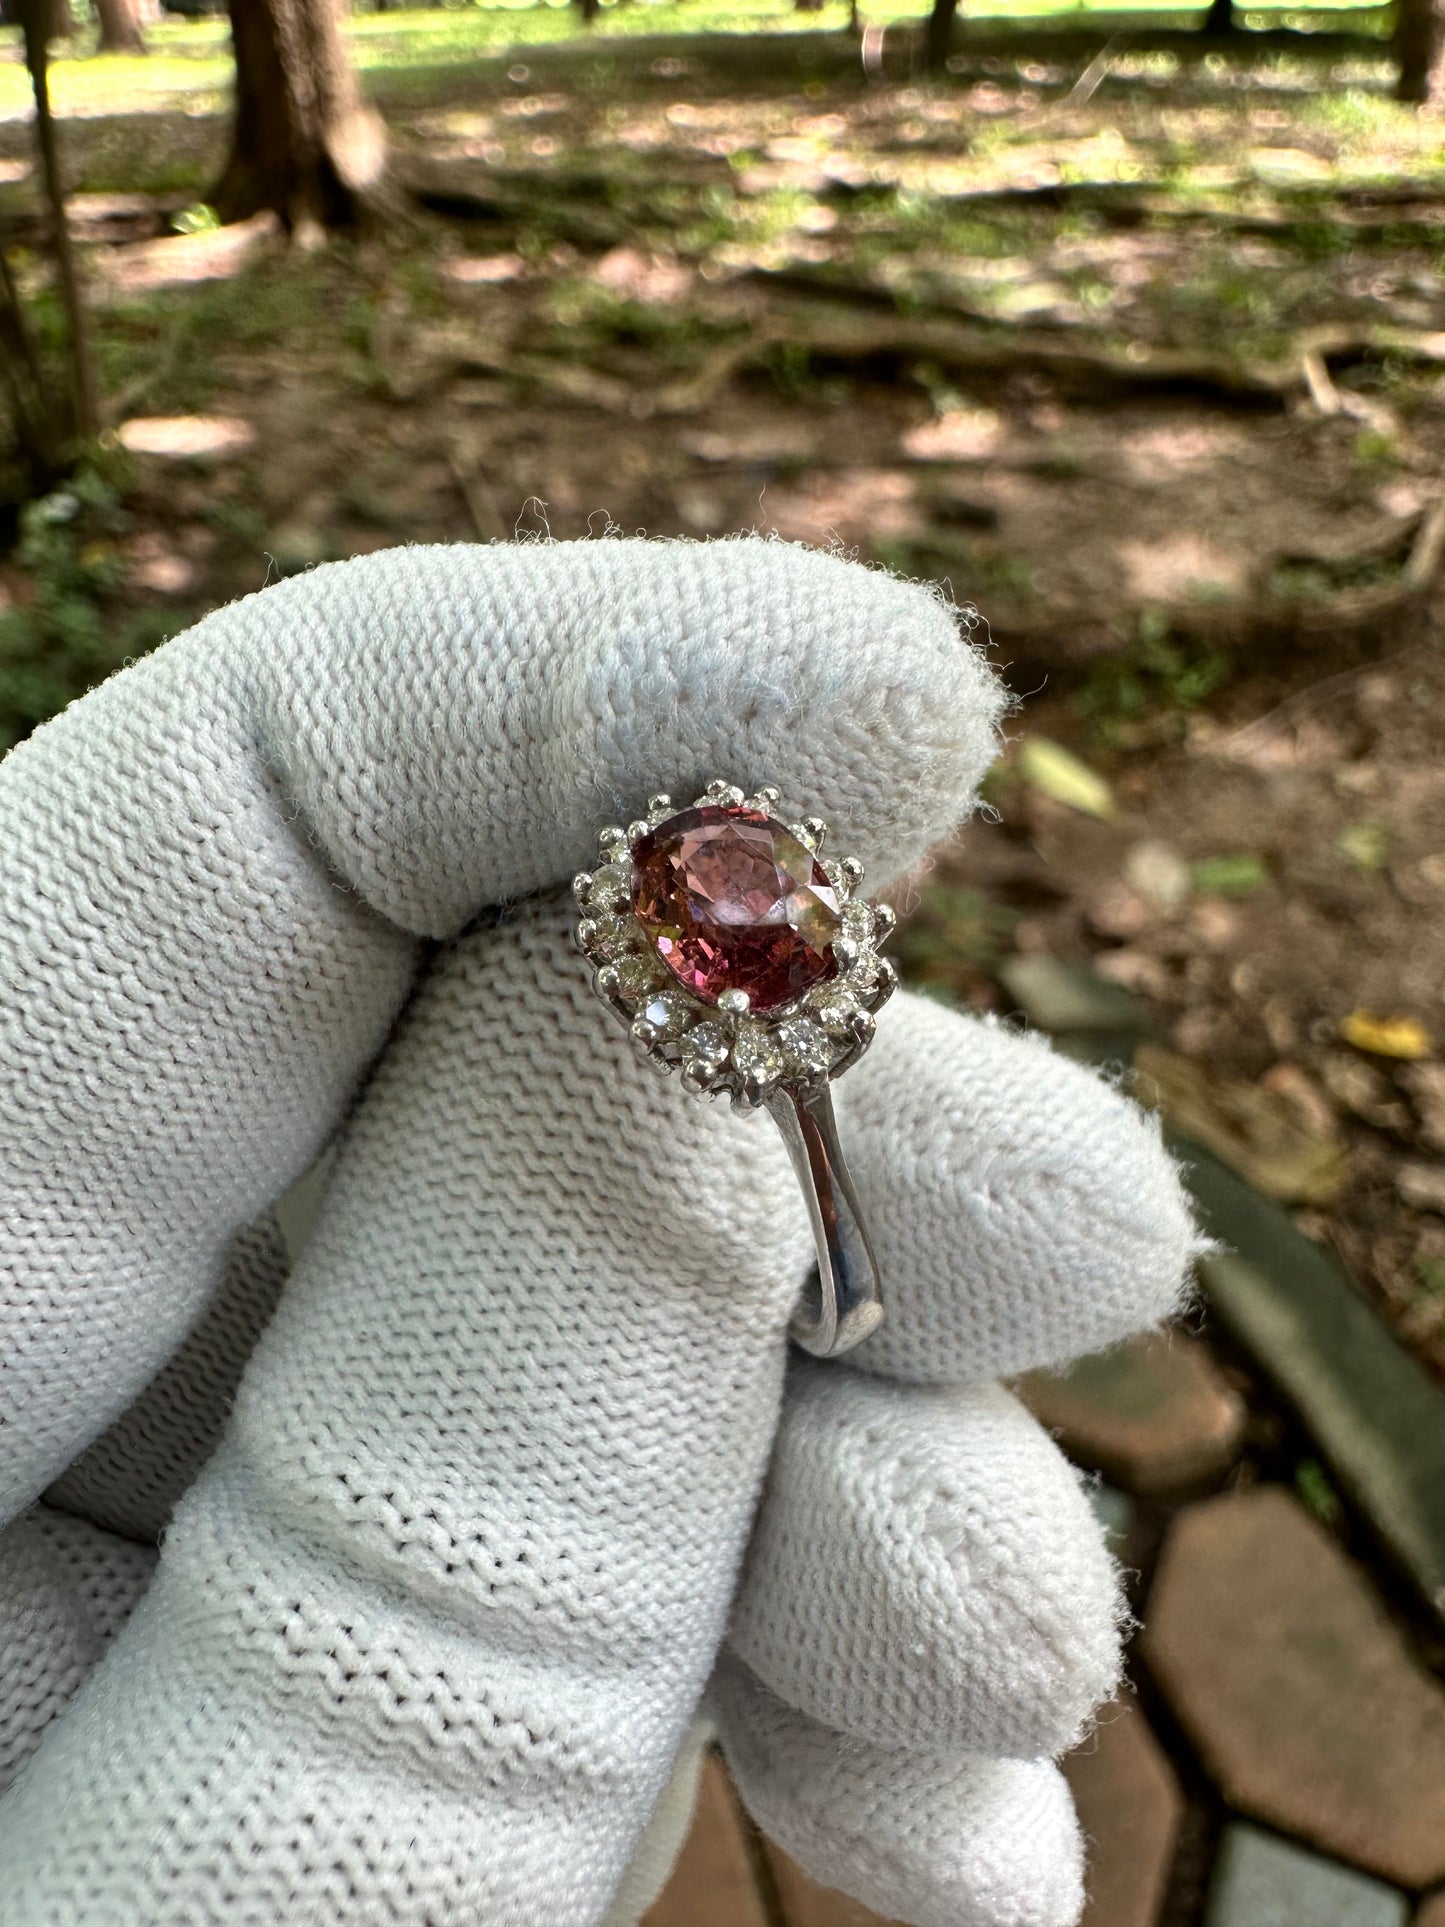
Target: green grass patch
(189, 63)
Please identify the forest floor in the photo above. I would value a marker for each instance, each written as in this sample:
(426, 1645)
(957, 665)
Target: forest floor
(1137, 345)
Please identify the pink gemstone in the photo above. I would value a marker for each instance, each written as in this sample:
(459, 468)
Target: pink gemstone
(733, 901)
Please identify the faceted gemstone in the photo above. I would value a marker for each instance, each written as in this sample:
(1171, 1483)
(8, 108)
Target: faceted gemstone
(609, 889)
(756, 1054)
(858, 922)
(835, 1010)
(612, 937)
(733, 901)
(668, 1012)
(705, 1044)
(637, 973)
(804, 1046)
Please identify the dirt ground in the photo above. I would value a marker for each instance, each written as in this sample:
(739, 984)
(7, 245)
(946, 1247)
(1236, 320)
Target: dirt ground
(1141, 354)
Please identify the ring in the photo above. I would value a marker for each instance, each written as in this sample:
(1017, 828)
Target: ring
(733, 950)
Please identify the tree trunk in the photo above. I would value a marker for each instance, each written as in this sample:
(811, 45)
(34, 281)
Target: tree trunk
(119, 27)
(39, 432)
(1220, 17)
(589, 10)
(303, 143)
(808, 6)
(940, 34)
(1420, 48)
(57, 21)
(34, 21)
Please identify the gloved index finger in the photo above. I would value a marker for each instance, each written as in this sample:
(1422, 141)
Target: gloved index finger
(217, 867)
(456, 724)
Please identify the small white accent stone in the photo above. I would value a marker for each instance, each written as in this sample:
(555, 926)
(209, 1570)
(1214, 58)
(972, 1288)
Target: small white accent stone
(612, 936)
(705, 1043)
(638, 972)
(756, 1053)
(862, 974)
(857, 920)
(668, 1012)
(611, 888)
(805, 1047)
(833, 1008)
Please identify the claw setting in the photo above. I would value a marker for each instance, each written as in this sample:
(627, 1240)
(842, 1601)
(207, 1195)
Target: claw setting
(730, 948)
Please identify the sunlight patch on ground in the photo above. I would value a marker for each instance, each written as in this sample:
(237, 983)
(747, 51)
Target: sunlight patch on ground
(474, 270)
(189, 66)
(1182, 568)
(185, 437)
(182, 260)
(959, 435)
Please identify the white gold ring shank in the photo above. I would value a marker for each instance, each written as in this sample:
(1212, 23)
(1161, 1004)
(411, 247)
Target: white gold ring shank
(844, 1302)
(737, 953)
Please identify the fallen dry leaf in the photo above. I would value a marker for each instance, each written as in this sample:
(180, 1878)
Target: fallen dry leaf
(1257, 1131)
(1058, 773)
(1387, 1036)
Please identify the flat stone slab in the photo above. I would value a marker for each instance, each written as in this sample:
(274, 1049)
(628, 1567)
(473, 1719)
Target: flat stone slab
(1262, 1881)
(714, 1883)
(1304, 1703)
(1155, 1415)
(1058, 996)
(1129, 1807)
(1376, 1415)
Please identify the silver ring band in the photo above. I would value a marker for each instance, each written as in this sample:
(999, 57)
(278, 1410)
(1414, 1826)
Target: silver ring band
(736, 953)
(845, 1301)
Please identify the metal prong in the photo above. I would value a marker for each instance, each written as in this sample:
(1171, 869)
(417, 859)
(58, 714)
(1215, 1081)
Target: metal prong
(852, 869)
(613, 837)
(754, 1087)
(736, 1003)
(814, 829)
(658, 802)
(587, 932)
(696, 1078)
(717, 785)
(582, 887)
(643, 1034)
(846, 951)
(608, 980)
(769, 798)
(861, 1026)
(885, 921)
(887, 982)
(635, 830)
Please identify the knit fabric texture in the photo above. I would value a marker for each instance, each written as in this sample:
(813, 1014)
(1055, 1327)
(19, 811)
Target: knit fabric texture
(455, 1516)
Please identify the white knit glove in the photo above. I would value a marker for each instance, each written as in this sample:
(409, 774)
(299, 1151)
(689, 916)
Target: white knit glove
(428, 1629)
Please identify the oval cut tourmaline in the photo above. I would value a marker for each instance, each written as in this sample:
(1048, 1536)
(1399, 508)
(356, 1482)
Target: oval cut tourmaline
(733, 901)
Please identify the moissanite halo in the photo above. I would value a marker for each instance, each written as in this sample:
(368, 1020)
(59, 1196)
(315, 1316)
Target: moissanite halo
(733, 949)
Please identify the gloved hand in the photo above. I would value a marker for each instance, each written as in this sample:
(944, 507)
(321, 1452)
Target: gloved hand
(428, 1628)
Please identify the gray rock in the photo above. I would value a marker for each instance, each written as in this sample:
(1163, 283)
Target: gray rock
(1129, 1807)
(1307, 1709)
(1262, 1881)
(1059, 996)
(1155, 1415)
(1376, 1416)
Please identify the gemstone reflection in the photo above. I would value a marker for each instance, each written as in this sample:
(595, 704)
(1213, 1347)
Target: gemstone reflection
(732, 900)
